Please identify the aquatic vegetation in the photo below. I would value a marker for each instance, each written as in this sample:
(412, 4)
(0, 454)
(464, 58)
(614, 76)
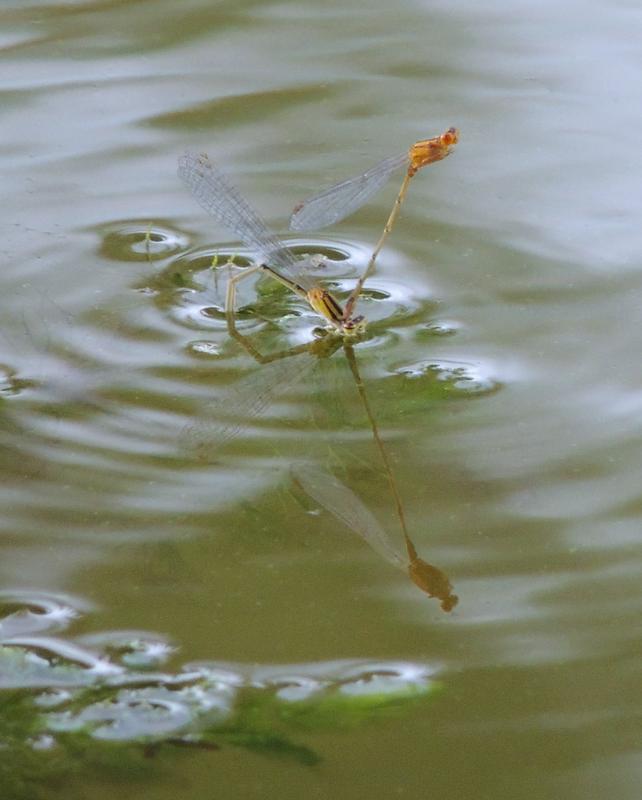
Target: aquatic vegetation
(101, 703)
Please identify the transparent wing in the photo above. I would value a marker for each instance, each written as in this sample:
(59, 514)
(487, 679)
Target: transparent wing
(225, 203)
(233, 411)
(342, 199)
(344, 504)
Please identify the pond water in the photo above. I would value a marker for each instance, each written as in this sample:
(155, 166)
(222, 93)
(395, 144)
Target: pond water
(185, 610)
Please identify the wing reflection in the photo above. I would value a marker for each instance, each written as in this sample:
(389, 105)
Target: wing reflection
(325, 489)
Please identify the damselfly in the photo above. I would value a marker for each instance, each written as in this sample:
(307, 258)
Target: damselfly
(339, 201)
(225, 203)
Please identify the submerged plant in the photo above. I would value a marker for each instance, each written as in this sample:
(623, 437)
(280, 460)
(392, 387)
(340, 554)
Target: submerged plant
(100, 707)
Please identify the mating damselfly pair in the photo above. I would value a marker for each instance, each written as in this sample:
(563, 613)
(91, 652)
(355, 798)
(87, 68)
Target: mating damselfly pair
(225, 203)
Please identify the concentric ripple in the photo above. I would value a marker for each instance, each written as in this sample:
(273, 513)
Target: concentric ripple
(192, 287)
(140, 241)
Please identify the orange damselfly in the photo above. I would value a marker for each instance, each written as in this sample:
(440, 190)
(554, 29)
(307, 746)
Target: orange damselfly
(343, 198)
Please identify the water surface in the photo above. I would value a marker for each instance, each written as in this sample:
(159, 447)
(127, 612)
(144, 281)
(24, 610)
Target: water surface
(502, 366)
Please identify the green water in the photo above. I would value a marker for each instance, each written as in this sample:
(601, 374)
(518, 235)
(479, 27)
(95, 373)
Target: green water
(179, 618)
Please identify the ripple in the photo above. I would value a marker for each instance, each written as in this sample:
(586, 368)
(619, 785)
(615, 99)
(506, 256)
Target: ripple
(11, 384)
(203, 348)
(387, 302)
(204, 702)
(378, 338)
(25, 612)
(454, 377)
(133, 714)
(330, 249)
(192, 287)
(139, 241)
(442, 327)
(359, 677)
(209, 258)
(134, 649)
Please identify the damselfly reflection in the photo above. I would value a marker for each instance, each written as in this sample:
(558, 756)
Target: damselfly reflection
(426, 576)
(249, 399)
(325, 489)
(339, 201)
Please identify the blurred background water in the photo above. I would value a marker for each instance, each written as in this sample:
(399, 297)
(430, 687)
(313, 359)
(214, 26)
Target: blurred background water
(501, 368)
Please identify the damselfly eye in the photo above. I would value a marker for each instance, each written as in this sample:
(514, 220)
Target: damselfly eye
(451, 137)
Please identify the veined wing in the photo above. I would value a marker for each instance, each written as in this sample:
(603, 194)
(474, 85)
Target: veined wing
(248, 397)
(224, 202)
(339, 201)
(223, 419)
(344, 504)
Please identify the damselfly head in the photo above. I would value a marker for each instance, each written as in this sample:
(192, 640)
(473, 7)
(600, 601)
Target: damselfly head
(427, 151)
(355, 325)
(431, 580)
(450, 137)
